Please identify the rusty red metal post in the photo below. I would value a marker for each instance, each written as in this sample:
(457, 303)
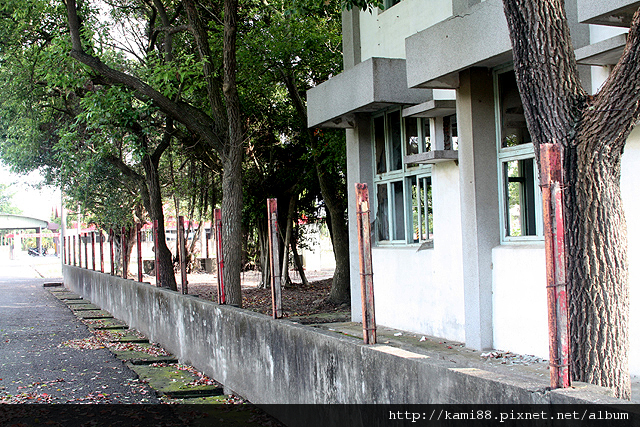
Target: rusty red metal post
(111, 256)
(551, 183)
(139, 250)
(217, 217)
(93, 251)
(64, 249)
(123, 245)
(274, 258)
(101, 244)
(74, 251)
(156, 264)
(182, 254)
(85, 240)
(366, 267)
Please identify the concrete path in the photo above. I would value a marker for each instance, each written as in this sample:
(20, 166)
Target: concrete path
(35, 365)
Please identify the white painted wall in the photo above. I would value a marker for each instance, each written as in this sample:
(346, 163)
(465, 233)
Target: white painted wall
(422, 291)
(519, 299)
(382, 33)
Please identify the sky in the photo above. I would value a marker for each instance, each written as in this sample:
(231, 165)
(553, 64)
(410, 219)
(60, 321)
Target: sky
(33, 202)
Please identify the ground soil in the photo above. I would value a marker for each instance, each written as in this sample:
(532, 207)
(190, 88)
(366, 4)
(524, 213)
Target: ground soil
(305, 304)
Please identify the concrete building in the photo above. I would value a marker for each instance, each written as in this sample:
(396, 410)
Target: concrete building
(435, 127)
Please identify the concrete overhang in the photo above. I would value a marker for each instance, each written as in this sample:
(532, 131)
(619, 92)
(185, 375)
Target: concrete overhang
(368, 87)
(606, 52)
(433, 108)
(617, 13)
(478, 38)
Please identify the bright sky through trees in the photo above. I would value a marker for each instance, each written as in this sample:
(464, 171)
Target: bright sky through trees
(37, 203)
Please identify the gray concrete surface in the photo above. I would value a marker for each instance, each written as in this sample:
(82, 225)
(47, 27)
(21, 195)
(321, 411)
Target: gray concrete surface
(277, 361)
(35, 365)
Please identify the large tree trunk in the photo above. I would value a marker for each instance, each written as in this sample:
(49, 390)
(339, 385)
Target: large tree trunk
(597, 269)
(232, 163)
(592, 132)
(165, 259)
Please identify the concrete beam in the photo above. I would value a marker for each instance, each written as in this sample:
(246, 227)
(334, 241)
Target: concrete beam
(367, 87)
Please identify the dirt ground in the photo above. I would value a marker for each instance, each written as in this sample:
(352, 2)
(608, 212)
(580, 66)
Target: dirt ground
(304, 304)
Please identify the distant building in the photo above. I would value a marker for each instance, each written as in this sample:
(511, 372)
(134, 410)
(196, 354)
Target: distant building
(435, 127)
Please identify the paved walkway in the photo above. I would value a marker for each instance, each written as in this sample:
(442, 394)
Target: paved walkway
(35, 365)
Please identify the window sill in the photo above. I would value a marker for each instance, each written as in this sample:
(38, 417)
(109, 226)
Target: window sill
(430, 157)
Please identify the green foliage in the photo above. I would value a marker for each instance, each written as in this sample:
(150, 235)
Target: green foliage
(6, 202)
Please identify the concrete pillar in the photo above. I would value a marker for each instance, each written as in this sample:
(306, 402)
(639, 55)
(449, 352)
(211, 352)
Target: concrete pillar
(478, 201)
(359, 169)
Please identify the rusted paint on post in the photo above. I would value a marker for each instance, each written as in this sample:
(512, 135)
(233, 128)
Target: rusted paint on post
(64, 246)
(182, 252)
(274, 258)
(123, 245)
(74, 251)
(112, 235)
(85, 240)
(366, 267)
(217, 216)
(101, 244)
(551, 183)
(93, 251)
(139, 249)
(156, 264)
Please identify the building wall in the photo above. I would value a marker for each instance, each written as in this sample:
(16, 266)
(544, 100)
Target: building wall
(422, 291)
(382, 33)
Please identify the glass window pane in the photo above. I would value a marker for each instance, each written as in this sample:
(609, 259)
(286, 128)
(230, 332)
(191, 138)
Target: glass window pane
(411, 135)
(513, 124)
(398, 210)
(520, 197)
(427, 208)
(395, 135)
(381, 155)
(382, 213)
(426, 133)
(416, 210)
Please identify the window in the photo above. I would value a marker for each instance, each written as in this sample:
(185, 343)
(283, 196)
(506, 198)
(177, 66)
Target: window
(519, 196)
(404, 211)
(390, 3)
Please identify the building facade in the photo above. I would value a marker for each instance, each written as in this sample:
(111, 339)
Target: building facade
(436, 128)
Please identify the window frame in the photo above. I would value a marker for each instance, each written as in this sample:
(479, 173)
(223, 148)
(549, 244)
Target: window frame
(403, 175)
(508, 154)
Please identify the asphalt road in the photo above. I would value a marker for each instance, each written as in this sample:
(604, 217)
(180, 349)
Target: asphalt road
(35, 364)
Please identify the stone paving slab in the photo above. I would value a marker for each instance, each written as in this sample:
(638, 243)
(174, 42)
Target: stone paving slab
(83, 307)
(107, 323)
(122, 336)
(142, 354)
(66, 296)
(172, 382)
(76, 301)
(93, 314)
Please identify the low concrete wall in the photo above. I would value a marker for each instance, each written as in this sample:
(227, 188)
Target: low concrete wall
(276, 361)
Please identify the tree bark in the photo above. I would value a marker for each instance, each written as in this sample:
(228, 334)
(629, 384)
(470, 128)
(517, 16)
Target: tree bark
(592, 131)
(232, 163)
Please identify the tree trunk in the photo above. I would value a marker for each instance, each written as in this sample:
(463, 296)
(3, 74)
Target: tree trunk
(291, 211)
(597, 270)
(263, 243)
(296, 258)
(592, 131)
(232, 163)
(165, 259)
